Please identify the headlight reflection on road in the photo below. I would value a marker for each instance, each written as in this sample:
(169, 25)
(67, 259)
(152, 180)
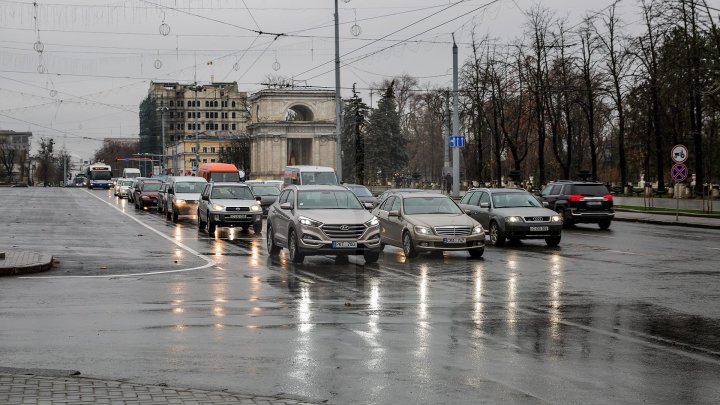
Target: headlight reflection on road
(556, 284)
(303, 368)
(512, 294)
(178, 233)
(477, 298)
(422, 332)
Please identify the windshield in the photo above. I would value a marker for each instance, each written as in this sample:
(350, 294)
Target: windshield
(514, 200)
(189, 187)
(360, 191)
(126, 183)
(326, 199)
(265, 190)
(590, 190)
(231, 193)
(430, 205)
(101, 175)
(229, 177)
(151, 186)
(319, 178)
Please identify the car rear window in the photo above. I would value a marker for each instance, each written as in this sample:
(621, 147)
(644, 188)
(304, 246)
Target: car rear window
(590, 190)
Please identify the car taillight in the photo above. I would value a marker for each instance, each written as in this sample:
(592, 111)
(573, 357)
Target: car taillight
(607, 198)
(575, 198)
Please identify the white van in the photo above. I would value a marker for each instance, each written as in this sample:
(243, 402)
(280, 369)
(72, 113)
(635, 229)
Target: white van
(130, 173)
(309, 175)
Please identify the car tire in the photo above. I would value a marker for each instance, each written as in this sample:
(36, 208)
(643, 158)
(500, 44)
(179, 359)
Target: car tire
(200, 222)
(257, 229)
(167, 214)
(567, 218)
(604, 224)
(245, 228)
(295, 255)
(272, 248)
(175, 216)
(136, 206)
(409, 246)
(496, 236)
(370, 256)
(159, 208)
(553, 241)
(382, 246)
(211, 226)
(476, 253)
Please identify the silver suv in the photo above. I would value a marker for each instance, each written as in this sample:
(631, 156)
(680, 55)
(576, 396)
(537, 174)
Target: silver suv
(321, 220)
(229, 205)
(183, 194)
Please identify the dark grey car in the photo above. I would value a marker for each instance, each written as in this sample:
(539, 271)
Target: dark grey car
(512, 214)
(268, 194)
(363, 194)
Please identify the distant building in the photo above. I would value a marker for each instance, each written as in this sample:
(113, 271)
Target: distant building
(211, 109)
(181, 154)
(15, 155)
(291, 127)
(124, 142)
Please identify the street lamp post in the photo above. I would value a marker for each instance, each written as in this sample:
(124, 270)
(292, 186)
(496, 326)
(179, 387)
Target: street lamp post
(196, 113)
(338, 100)
(162, 111)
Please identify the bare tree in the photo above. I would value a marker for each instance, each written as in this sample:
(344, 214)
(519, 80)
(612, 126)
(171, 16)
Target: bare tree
(8, 154)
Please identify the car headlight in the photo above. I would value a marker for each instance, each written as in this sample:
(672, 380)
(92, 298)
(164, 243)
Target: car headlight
(218, 207)
(423, 230)
(373, 222)
(255, 208)
(478, 229)
(513, 219)
(309, 222)
(556, 218)
(179, 202)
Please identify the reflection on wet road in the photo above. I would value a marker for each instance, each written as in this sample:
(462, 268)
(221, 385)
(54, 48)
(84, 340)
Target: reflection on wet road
(620, 316)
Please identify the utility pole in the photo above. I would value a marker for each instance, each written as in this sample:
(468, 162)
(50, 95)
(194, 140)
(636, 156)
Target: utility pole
(162, 138)
(456, 124)
(446, 136)
(196, 114)
(338, 100)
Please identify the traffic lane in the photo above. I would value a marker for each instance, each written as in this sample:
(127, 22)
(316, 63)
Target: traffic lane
(86, 235)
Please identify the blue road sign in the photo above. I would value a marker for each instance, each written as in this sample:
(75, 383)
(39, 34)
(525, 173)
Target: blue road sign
(679, 172)
(457, 141)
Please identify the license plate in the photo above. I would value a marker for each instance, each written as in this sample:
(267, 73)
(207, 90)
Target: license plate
(238, 216)
(594, 203)
(344, 245)
(539, 229)
(453, 241)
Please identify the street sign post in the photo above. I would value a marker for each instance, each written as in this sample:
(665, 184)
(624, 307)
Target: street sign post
(679, 154)
(457, 141)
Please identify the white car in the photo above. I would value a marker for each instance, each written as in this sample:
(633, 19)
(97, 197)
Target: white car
(182, 196)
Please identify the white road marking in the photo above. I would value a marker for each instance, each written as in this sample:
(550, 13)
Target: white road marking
(209, 261)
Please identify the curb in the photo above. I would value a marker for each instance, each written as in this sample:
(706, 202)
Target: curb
(666, 223)
(667, 213)
(44, 263)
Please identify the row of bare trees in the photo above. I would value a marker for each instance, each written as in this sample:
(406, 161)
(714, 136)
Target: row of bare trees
(607, 95)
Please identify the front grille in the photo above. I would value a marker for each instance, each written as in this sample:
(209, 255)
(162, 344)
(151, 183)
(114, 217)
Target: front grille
(453, 230)
(537, 219)
(343, 231)
(237, 209)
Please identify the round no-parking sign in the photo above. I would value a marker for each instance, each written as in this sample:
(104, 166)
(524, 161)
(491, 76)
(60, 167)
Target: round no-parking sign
(679, 172)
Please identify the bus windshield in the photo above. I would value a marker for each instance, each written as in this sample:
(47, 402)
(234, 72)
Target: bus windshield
(225, 177)
(319, 178)
(101, 175)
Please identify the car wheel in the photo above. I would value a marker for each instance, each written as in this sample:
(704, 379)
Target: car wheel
(382, 246)
(567, 218)
(136, 206)
(295, 255)
(211, 225)
(496, 237)
(201, 224)
(371, 257)
(408, 246)
(257, 228)
(476, 253)
(604, 224)
(553, 241)
(175, 216)
(167, 214)
(272, 248)
(245, 228)
(160, 208)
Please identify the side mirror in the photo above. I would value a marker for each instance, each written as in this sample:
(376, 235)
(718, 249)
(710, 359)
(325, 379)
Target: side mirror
(206, 198)
(484, 205)
(393, 214)
(285, 206)
(546, 204)
(469, 212)
(369, 206)
(258, 198)
(170, 191)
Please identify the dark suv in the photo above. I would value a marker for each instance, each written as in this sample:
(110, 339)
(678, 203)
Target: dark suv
(580, 202)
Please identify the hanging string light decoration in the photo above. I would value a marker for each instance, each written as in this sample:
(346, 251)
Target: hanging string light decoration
(355, 30)
(276, 64)
(158, 63)
(164, 27)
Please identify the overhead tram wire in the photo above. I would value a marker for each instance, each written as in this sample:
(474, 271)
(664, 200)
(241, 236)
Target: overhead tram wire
(361, 57)
(385, 36)
(64, 133)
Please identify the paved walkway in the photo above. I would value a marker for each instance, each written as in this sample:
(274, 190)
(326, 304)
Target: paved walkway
(20, 262)
(662, 219)
(16, 389)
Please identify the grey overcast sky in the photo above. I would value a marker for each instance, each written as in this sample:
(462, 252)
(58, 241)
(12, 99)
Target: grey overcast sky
(100, 56)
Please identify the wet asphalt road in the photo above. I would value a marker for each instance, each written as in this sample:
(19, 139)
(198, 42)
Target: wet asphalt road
(622, 316)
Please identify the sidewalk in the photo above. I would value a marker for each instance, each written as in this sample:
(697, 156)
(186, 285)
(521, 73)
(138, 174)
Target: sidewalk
(15, 262)
(54, 388)
(669, 220)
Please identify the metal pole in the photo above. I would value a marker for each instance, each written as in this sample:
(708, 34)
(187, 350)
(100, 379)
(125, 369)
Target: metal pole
(446, 137)
(338, 100)
(197, 134)
(456, 124)
(162, 141)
